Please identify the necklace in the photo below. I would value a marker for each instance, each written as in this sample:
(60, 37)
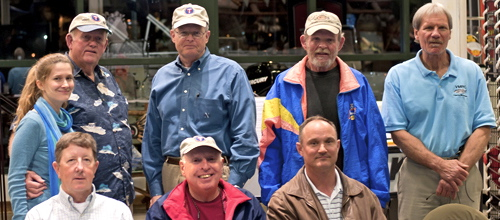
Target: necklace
(221, 199)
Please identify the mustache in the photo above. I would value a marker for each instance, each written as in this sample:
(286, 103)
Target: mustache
(322, 51)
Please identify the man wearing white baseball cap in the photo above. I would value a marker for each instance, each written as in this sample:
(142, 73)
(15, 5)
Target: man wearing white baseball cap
(322, 84)
(198, 94)
(104, 119)
(203, 194)
(87, 22)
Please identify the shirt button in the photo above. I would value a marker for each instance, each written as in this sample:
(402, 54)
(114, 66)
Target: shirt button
(185, 91)
(183, 109)
(182, 129)
(199, 68)
(189, 74)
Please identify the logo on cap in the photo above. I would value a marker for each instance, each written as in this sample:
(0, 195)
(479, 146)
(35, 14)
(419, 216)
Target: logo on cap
(189, 10)
(95, 17)
(321, 17)
(199, 138)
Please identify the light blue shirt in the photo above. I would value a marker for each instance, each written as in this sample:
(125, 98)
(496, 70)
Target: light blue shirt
(441, 112)
(211, 98)
(29, 152)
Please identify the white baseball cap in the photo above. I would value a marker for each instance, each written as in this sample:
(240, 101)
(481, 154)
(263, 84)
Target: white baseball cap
(322, 20)
(87, 22)
(189, 14)
(189, 144)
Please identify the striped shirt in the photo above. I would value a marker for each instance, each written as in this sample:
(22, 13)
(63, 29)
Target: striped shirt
(331, 204)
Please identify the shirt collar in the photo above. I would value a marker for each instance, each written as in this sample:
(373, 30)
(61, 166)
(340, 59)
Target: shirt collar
(77, 70)
(66, 197)
(338, 186)
(196, 64)
(426, 72)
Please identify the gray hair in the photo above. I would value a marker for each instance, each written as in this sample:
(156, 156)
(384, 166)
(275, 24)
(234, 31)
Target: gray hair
(430, 9)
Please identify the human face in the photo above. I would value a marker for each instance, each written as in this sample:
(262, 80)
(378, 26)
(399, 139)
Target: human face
(433, 34)
(57, 87)
(86, 48)
(76, 170)
(319, 146)
(322, 49)
(190, 48)
(202, 168)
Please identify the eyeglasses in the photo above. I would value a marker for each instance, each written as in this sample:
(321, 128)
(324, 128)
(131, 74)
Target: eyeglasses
(195, 34)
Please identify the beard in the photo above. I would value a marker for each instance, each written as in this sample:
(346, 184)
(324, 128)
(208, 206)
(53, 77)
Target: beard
(322, 63)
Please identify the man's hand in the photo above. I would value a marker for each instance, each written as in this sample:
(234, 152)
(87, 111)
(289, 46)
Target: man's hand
(453, 172)
(34, 185)
(153, 200)
(446, 190)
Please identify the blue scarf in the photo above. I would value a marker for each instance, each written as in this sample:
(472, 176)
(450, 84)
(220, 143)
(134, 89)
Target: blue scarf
(54, 125)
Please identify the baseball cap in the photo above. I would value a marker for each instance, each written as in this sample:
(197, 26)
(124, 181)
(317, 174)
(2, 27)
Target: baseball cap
(87, 22)
(189, 144)
(189, 14)
(322, 20)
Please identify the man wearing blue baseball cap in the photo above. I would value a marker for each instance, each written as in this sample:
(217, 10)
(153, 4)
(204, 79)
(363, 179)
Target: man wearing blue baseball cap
(198, 94)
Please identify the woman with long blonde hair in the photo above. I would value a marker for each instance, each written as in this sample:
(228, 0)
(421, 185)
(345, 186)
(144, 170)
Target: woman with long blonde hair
(41, 121)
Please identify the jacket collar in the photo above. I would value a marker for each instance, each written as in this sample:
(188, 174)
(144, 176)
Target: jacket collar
(304, 190)
(297, 75)
(175, 204)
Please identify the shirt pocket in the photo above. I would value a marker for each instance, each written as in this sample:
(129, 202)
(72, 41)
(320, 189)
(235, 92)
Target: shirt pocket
(209, 114)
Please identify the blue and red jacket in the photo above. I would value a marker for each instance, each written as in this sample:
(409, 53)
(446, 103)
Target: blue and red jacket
(240, 204)
(362, 131)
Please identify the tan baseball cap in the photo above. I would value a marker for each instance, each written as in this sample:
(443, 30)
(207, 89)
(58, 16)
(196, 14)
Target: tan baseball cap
(189, 144)
(322, 20)
(87, 22)
(189, 14)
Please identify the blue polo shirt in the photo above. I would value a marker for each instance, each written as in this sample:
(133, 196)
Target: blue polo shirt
(441, 112)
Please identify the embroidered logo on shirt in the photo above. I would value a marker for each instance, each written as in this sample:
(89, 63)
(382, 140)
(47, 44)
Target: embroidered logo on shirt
(352, 112)
(460, 90)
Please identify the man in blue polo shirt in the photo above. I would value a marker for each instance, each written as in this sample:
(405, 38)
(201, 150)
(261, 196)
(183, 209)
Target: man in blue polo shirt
(439, 113)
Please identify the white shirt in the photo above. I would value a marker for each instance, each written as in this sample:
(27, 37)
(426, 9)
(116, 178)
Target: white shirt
(332, 204)
(61, 206)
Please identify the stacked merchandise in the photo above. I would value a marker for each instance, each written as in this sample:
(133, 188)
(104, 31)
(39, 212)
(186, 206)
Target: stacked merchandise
(491, 49)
